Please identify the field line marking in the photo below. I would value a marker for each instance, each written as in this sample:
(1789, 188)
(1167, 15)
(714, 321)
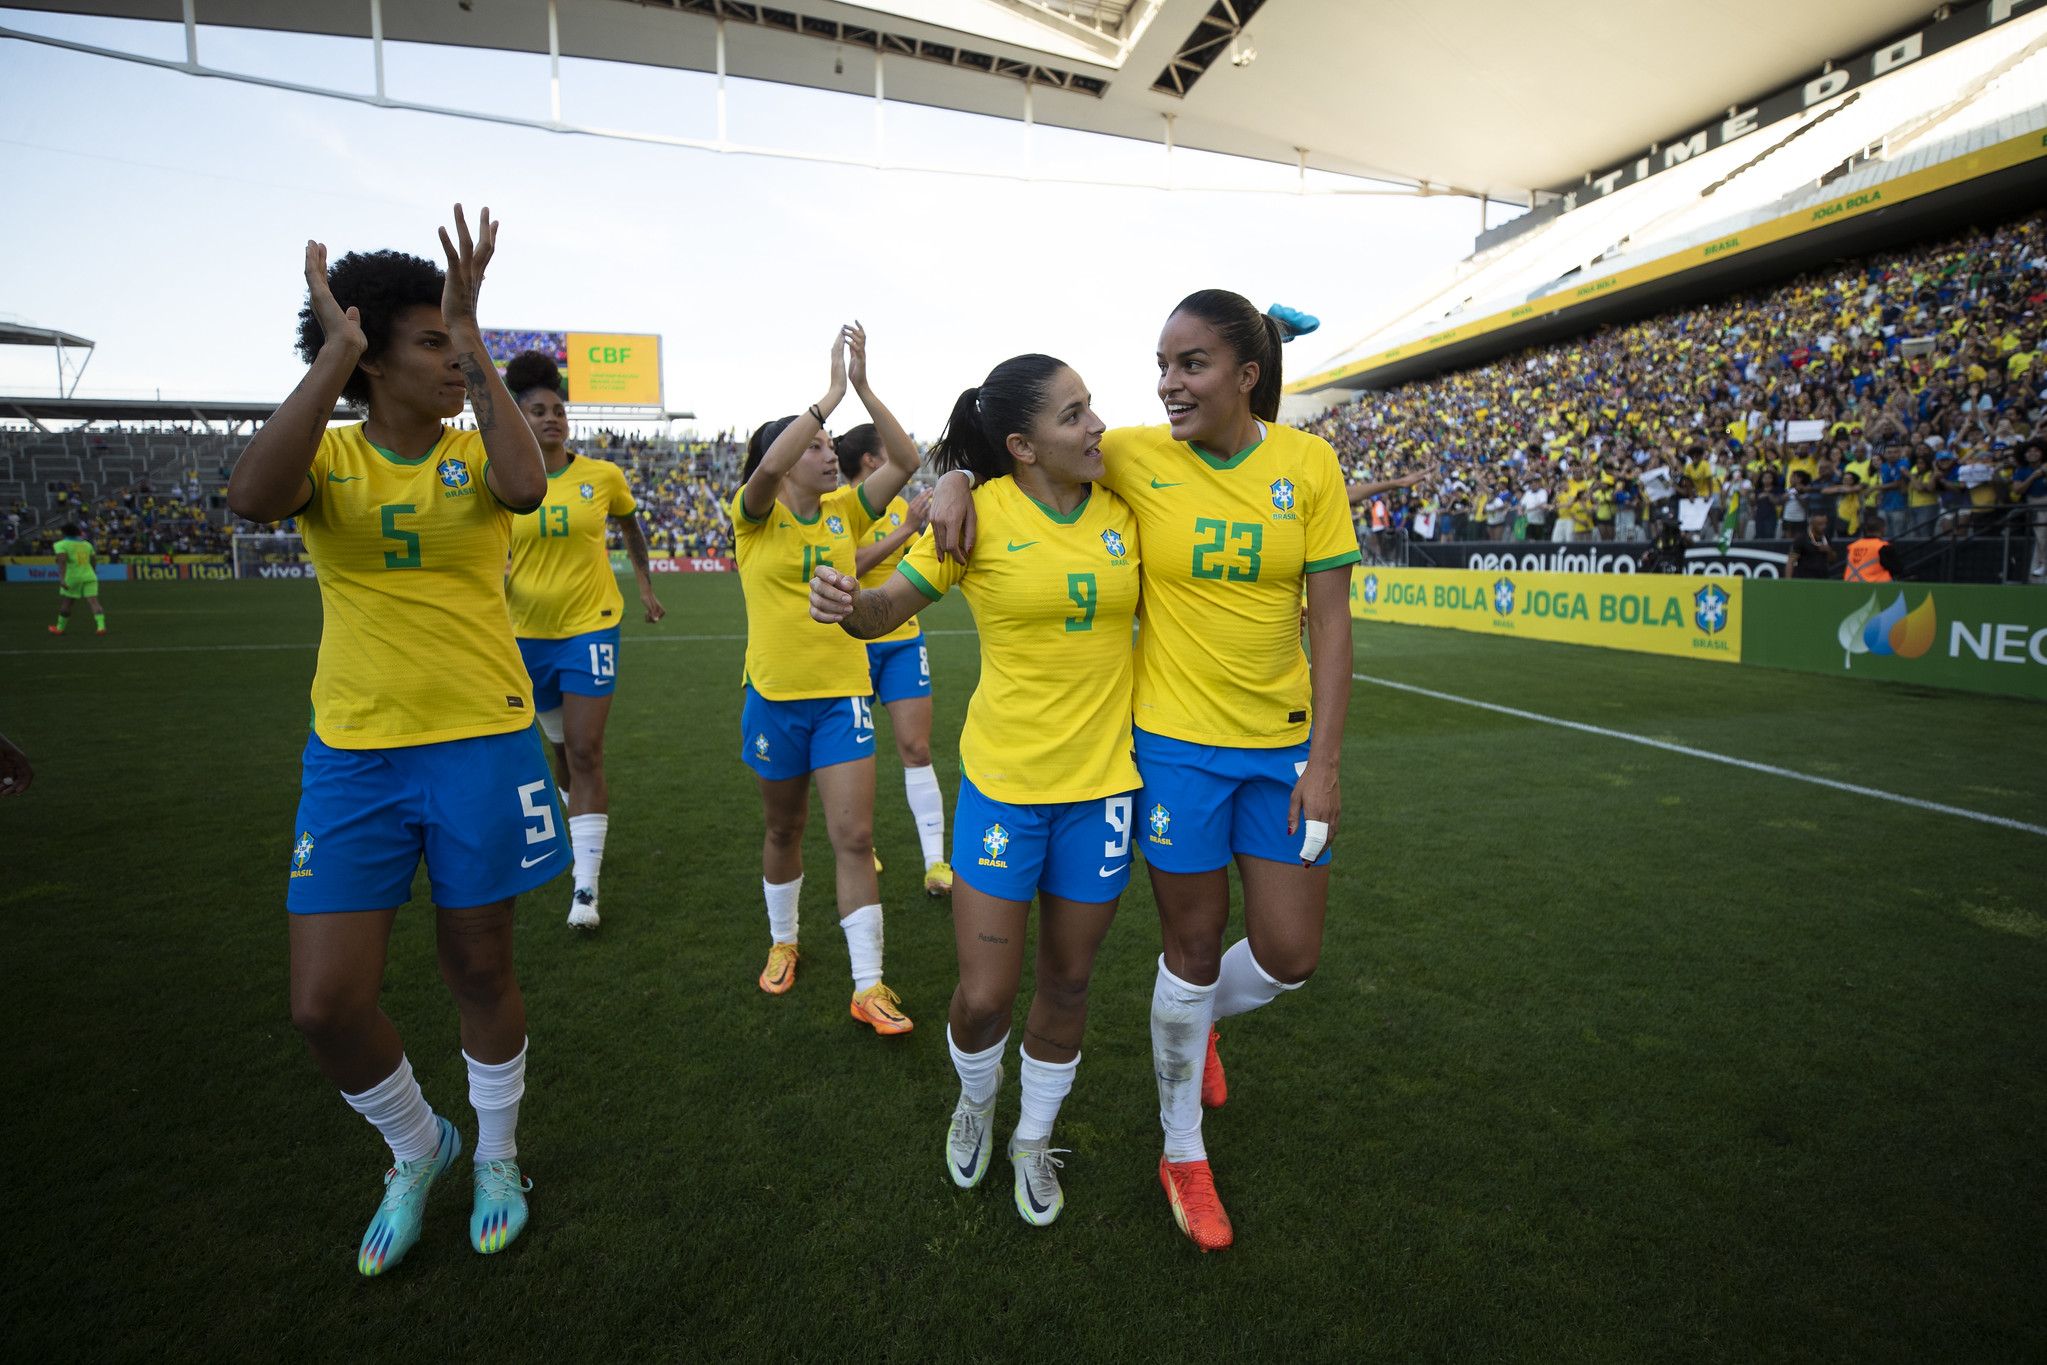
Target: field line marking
(217, 649)
(1689, 752)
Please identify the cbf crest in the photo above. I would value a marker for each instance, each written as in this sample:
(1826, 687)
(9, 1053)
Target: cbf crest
(1114, 540)
(1503, 597)
(454, 473)
(1709, 608)
(835, 525)
(760, 747)
(302, 855)
(1370, 589)
(995, 841)
(587, 490)
(1282, 495)
(1161, 820)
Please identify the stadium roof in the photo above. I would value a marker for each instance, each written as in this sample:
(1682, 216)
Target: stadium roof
(20, 334)
(1499, 97)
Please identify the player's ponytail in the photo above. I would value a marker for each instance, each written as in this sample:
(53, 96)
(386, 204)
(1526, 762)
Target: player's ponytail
(1006, 403)
(757, 446)
(1253, 337)
(854, 446)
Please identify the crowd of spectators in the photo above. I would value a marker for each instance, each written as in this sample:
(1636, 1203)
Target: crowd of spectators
(1903, 390)
(682, 492)
(140, 521)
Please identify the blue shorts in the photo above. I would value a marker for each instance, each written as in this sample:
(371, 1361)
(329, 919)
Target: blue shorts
(1204, 803)
(780, 739)
(899, 669)
(481, 811)
(586, 665)
(1077, 850)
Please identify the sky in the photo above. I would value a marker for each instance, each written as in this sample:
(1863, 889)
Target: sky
(165, 216)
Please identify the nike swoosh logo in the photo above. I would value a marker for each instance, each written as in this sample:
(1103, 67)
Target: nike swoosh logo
(974, 1160)
(1156, 484)
(343, 478)
(528, 862)
(863, 739)
(1032, 1197)
(1014, 547)
(1110, 871)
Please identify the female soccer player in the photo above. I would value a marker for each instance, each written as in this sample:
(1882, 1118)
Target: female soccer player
(74, 555)
(808, 711)
(897, 664)
(566, 608)
(422, 730)
(1048, 786)
(1235, 510)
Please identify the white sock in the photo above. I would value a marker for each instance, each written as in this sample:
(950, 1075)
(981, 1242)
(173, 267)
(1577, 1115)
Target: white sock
(927, 807)
(1180, 1017)
(1044, 1087)
(1244, 985)
(782, 908)
(977, 1070)
(586, 840)
(495, 1092)
(863, 945)
(400, 1112)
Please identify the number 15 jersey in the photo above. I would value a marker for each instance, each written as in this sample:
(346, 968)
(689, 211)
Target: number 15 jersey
(416, 646)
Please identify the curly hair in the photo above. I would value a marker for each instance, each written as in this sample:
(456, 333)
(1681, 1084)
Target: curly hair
(378, 285)
(532, 370)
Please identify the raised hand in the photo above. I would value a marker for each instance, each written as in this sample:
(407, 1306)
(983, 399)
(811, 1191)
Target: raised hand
(855, 337)
(831, 595)
(341, 328)
(838, 389)
(466, 262)
(920, 511)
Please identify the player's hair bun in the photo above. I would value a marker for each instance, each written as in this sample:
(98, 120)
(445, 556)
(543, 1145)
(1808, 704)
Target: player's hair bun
(532, 370)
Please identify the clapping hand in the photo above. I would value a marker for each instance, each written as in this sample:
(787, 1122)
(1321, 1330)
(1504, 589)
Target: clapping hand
(339, 327)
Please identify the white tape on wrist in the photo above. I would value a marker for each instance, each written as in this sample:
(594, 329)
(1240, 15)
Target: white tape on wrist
(1317, 838)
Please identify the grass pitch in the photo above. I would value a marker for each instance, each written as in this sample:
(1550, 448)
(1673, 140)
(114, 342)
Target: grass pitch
(1613, 1054)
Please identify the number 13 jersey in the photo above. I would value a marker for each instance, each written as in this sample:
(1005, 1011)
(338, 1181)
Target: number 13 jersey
(1226, 545)
(416, 646)
(562, 584)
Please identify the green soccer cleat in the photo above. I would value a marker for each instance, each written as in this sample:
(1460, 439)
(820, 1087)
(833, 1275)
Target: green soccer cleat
(396, 1227)
(500, 1213)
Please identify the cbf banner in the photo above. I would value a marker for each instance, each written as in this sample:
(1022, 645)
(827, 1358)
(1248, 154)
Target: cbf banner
(1699, 618)
(1981, 638)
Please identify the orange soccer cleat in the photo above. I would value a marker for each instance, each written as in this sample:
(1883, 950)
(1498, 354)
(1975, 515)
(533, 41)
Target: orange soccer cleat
(1214, 1089)
(780, 973)
(881, 1009)
(1190, 1188)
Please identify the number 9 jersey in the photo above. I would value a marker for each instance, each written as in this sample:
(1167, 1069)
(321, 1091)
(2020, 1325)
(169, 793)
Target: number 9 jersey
(416, 646)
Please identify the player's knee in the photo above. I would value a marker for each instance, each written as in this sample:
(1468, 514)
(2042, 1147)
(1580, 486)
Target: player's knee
(327, 1014)
(479, 978)
(854, 838)
(986, 1004)
(1062, 986)
(785, 831)
(1291, 966)
(585, 752)
(913, 753)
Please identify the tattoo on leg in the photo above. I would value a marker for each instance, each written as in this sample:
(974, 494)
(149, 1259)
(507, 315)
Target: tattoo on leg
(990, 938)
(1030, 1032)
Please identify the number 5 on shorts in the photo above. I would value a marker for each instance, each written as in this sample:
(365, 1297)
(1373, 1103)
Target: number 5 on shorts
(543, 813)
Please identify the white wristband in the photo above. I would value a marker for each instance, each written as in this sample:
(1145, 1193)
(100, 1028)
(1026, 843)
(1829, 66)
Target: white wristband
(967, 472)
(1317, 837)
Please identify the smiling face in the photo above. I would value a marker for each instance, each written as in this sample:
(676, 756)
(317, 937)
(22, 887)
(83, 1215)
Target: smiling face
(1065, 439)
(817, 469)
(1206, 389)
(548, 417)
(417, 369)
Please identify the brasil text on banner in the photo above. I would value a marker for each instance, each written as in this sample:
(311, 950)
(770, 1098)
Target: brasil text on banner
(1698, 618)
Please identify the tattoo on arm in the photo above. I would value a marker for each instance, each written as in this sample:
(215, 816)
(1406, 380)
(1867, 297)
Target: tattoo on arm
(478, 377)
(870, 615)
(635, 544)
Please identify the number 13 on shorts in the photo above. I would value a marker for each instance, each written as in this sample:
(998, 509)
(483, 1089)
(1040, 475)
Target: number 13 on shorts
(603, 661)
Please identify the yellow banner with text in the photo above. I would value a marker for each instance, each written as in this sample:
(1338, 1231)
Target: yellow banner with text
(1697, 617)
(608, 368)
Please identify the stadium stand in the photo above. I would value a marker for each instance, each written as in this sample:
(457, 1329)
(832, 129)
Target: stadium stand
(1929, 355)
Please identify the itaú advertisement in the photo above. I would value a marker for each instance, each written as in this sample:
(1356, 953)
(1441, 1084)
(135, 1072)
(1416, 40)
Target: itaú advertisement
(1699, 618)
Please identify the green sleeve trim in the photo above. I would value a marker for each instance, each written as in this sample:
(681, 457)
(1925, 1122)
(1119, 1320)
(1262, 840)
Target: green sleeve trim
(860, 492)
(739, 508)
(1333, 562)
(919, 582)
(312, 490)
(515, 511)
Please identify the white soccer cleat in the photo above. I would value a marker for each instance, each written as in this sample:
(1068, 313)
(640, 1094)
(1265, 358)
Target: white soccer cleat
(1038, 1196)
(583, 910)
(970, 1140)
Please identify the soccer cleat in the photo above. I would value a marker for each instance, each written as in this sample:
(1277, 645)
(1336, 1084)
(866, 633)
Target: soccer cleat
(938, 879)
(396, 1225)
(101, 631)
(1190, 1189)
(54, 630)
(971, 1139)
(780, 973)
(583, 909)
(499, 1214)
(1214, 1089)
(881, 1008)
(1038, 1196)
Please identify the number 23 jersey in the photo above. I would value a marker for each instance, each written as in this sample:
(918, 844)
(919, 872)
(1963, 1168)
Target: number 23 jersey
(416, 645)
(1227, 543)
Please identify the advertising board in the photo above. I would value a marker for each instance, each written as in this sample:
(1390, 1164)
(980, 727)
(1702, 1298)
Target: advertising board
(617, 368)
(1976, 637)
(1699, 618)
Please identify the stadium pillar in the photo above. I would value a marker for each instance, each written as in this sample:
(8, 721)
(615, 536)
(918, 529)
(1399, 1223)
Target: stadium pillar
(554, 62)
(191, 34)
(721, 83)
(376, 43)
(1169, 149)
(1030, 125)
(880, 144)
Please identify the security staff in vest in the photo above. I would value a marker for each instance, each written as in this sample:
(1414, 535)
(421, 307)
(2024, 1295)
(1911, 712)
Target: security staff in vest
(1871, 558)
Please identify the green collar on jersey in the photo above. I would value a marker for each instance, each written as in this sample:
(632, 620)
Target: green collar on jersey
(1217, 462)
(395, 458)
(565, 468)
(1069, 518)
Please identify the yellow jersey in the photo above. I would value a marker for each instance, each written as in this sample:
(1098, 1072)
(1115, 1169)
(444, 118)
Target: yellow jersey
(562, 583)
(892, 518)
(790, 657)
(1227, 544)
(1053, 598)
(416, 646)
